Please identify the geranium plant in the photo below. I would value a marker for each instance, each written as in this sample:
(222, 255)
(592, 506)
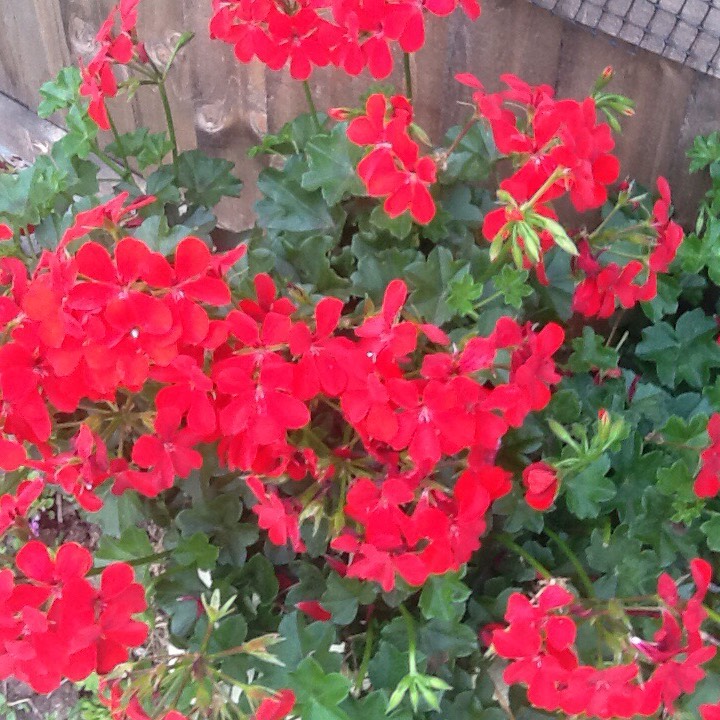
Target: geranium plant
(411, 448)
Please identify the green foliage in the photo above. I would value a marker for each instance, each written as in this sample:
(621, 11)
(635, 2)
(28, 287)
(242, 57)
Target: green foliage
(624, 429)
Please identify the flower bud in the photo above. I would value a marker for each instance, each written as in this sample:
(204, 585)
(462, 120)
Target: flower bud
(541, 484)
(340, 113)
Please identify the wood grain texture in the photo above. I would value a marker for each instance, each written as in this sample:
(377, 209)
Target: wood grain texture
(224, 107)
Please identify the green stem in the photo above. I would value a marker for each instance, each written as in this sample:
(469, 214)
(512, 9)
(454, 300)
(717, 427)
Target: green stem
(311, 106)
(504, 539)
(170, 123)
(556, 175)
(112, 164)
(463, 132)
(185, 38)
(137, 562)
(584, 578)
(412, 640)
(607, 219)
(367, 654)
(712, 615)
(127, 174)
(488, 300)
(408, 77)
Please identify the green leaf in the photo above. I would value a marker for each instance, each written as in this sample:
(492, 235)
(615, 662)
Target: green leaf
(474, 156)
(446, 639)
(586, 491)
(399, 227)
(131, 545)
(686, 352)
(711, 528)
(565, 406)
(288, 207)
(159, 236)
(376, 268)
(430, 281)
(590, 352)
(258, 579)
(318, 693)
(388, 666)
(704, 151)
(81, 133)
(196, 550)
(117, 513)
(60, 93)
(344, 596)
(332, 160)
(444, 597)
(148, 148)
(161, 184)
(464, 293)
(207, 180)
(307, 260)
(302, 640)
(513, 284)
(291, 138)
(228, 634)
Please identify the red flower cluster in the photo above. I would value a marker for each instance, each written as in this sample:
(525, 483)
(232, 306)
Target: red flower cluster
(391, 402)
(56, 624)
(604, 287)
(707, 482)
(557, 146)
(349, 34)
(393, 169)
(539, 642)
(116, 48)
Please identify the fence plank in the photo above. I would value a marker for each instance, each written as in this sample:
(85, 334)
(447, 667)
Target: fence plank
(224, 107)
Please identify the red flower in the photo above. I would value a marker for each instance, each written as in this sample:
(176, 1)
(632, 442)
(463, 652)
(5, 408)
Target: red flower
(276, 515)
(314, 609)
(6, 232)
(541, 485)
(394, 169)
(276, 707)
(710, 712)
(707, 482)
(16, 506)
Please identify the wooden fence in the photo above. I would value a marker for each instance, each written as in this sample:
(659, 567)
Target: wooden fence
(224, 107)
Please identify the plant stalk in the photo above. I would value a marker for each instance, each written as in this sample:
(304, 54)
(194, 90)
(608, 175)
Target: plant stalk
(311, 106)
(408, 77)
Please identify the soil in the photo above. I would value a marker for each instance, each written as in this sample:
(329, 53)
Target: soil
(28, 705)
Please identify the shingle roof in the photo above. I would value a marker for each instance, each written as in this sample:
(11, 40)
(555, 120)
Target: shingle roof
(687, 31)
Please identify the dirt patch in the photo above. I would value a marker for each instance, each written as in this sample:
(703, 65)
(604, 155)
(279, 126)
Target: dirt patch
(28, 705)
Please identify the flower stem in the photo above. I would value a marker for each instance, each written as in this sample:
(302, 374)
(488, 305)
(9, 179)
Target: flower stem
(554, 177)
(311, 105)
(458, 139)
(412, 640)
(408, 77)
(367, 654)
(127, 174)
(112, 164)
(504, 539)
(170, 123)
(584, 578)
(137, 562)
